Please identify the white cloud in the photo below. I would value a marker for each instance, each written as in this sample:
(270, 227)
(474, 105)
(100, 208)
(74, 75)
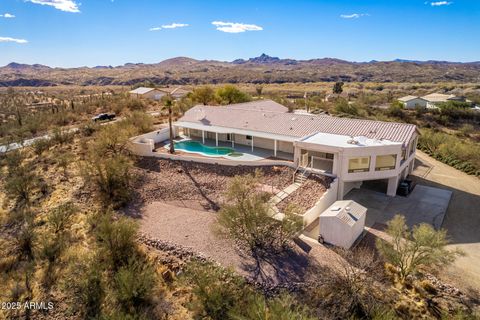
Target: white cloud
(440, 3)
(234, 27)
(353, 15)
(170, 26)
(8, 39)
(7, 15)
(63, 5)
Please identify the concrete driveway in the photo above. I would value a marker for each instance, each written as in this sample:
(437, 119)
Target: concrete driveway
(461, 220)
(424, 205)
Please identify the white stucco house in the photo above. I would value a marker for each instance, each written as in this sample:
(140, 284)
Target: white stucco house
(412, 102)
(430, 101)
(352, 150)
(157, 94)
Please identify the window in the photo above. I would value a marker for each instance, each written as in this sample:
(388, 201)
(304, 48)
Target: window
(249, 137)
(386, 162)
(361, 164)
(229, 137)
(404, 155)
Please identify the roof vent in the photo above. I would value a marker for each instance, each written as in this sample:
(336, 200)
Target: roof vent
(293, 119)
(352, 140)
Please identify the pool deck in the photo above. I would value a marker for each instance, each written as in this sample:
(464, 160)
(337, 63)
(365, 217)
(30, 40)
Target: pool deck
(258, 154)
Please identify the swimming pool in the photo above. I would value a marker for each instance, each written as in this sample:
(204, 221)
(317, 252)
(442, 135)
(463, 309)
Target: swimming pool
(197, 147)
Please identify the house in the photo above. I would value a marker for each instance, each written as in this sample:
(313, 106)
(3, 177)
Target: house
(342, 223)
(352, 150)
(147, 93)
(157, 94)
(434, 99)
(412, 102)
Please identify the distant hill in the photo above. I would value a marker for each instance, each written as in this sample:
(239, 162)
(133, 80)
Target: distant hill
(261, 69)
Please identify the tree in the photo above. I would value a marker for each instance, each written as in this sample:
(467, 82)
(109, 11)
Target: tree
(410, 250)
(168, 103)
(247, 218)
(338, 87)
(203, 95)
(230, 94)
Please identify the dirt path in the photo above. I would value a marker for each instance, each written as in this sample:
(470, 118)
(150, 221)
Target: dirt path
(462, 220)
(186, 225)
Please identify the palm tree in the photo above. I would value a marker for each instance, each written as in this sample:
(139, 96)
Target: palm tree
(168, 103)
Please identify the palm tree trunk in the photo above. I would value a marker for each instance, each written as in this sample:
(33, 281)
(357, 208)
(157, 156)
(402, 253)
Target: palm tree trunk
(172, 147)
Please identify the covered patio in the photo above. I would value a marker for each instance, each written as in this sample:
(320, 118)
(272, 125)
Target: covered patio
(254, 146)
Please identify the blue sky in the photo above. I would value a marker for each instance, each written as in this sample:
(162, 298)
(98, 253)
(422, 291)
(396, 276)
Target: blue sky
(73, 33)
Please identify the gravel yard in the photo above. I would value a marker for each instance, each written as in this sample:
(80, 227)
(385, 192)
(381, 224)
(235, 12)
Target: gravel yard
(308, 194)
(166, 180)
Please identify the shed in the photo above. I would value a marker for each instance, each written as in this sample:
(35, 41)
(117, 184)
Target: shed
(342, 223)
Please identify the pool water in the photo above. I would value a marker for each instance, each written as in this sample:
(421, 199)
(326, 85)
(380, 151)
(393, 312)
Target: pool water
(195, 146)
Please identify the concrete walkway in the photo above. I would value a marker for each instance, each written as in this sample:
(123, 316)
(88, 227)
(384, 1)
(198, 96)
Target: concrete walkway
(276, 199)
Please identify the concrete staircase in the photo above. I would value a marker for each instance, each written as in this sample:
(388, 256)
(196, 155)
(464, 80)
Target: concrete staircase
(300, 177)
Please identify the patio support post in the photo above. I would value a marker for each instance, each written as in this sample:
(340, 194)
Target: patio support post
(252, 143)
(203, 136)
(216, 139)
(275, 148)
(233, 140)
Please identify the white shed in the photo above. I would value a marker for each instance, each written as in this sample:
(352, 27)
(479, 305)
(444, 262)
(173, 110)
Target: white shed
(342, 223)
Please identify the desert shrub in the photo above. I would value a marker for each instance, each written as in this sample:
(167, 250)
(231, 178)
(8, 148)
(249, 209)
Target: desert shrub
(51, 247)
(64, 159)
(25, 240)
(229, 94)
(141, 121)
(216, 291)
(61, 137)
(283, 307)
(116, 239)
(134, 285)
(458, 153)
(89, 129)
(60, 216)
(112, 140)
(246, 218)
(111, 177)
(21, 179)
(87, 288)
(204, 95)
(135, 105)
(409, 251)
(343, 107)
(41, 145)
(396, 110)
(467, 129)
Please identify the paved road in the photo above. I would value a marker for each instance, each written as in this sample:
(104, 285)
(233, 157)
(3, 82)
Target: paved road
(462, 220)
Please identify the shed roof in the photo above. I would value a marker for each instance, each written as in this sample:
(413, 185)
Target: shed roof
(409, 98)
(141, 90)
(438, 97)
(347, 211)
(295, 125)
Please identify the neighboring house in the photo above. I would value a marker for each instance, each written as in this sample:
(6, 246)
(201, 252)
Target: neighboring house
(413, 102)
(157, 94)
(352, 150)
(434, 99)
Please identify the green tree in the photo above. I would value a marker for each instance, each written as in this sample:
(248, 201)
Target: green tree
(338, 87)
(411, 250)
(230, 94)
(204, 95)
(246, 217)
(342, 106)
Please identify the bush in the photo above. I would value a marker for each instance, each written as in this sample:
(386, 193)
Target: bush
(59, 217)
(246, 218)
(62, 136)
(134, 285)
(116, 239)
(230, 94)
(342, 106)
(141, 121)
(419, 248)
(204, 95)
(112, 179)
(21, 180)
(216, 291)
(41, 145)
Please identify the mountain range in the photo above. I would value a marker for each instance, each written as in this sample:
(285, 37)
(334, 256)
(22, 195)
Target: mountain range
(261, 69)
